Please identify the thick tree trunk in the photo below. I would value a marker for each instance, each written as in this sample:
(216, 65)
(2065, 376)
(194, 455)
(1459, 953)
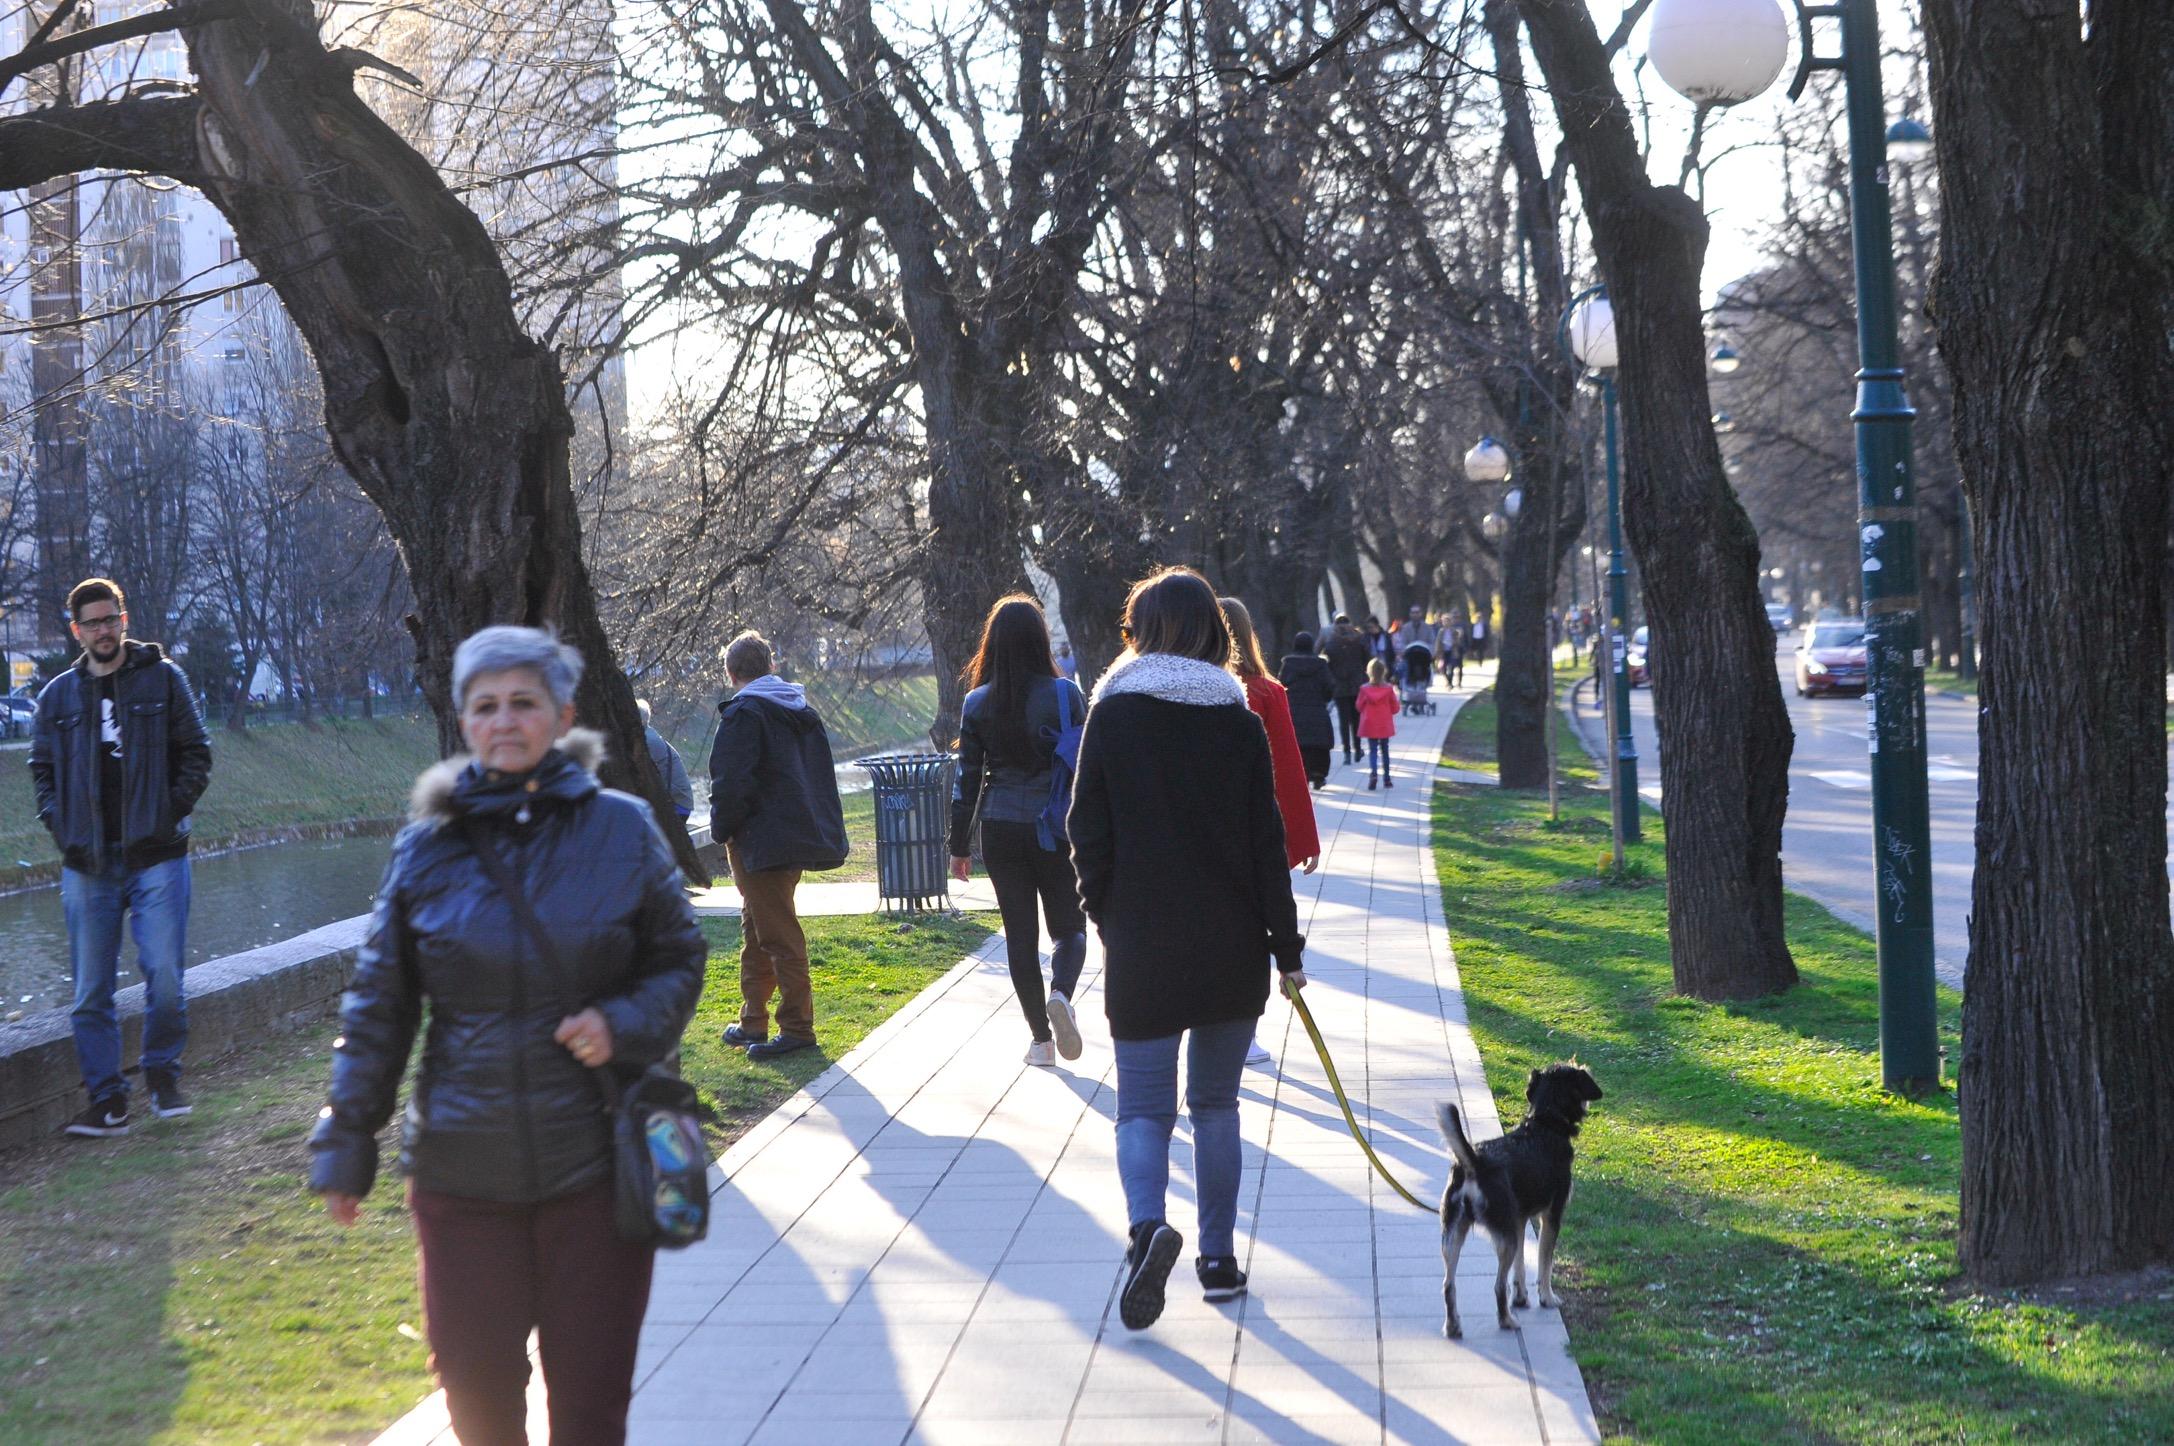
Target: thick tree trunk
(2054, 299)
(1725, 734)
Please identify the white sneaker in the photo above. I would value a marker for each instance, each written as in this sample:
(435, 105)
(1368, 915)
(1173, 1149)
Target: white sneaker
(1063, 1025)
(1259, 1058)
(1043, 1053)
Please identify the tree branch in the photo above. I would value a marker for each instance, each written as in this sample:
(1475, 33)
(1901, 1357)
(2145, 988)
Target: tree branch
(155, 136)
(150, 22)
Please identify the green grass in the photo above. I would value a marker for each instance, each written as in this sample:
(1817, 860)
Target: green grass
(1763, 1242)
(179, 1285)
(858, 713)
(278, 775)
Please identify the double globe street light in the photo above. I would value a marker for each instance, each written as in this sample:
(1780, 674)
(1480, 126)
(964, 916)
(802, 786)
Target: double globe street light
(1721, 52)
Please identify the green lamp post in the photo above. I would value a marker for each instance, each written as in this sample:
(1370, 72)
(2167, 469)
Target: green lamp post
(1588, 326)
(1720, 52)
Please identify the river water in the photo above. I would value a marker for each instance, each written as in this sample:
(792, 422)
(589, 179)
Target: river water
(240, 900)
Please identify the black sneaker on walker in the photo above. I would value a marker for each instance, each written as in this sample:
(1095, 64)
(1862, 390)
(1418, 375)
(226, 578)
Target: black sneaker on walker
(1220, 1278)
(1064, 1025)
(739, 1038)
(1155, 1248)
(102, 1120)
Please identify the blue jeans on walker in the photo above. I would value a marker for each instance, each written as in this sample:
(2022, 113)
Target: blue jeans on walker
(1377, 755)
(1147, 1111)
(156, 900)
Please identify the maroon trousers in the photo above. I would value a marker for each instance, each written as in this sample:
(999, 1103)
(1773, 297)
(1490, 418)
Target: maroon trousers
(492, 1273)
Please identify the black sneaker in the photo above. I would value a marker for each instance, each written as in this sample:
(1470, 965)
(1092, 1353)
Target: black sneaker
(739, 1038)
(103, 1120)
(783, 1044)
(1220, 1278)
(167, 1100)
(1155, 1248)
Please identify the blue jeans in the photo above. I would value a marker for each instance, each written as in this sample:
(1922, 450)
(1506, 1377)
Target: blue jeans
(1147, 1111)
(1377, 756)
(156, 900)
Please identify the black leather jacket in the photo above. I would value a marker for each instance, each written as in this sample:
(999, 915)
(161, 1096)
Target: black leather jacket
(500, 1111)
(1006, 771)
(165, 761)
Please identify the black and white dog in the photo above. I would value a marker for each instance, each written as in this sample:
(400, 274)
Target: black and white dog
(1505, 1183)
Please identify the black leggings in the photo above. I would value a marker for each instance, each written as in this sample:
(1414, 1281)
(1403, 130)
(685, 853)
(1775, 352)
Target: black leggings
(1023, 871)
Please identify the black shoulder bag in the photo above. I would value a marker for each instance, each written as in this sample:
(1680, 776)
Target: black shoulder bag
(660, 1165)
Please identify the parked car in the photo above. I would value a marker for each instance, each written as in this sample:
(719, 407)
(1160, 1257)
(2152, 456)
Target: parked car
(17, 716)
(1634, 660)
(1831, 659)
(1777, 617)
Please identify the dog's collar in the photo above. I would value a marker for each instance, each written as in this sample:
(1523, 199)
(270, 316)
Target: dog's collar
(1556, 1118)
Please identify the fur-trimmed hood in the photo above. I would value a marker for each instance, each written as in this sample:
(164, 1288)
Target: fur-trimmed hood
(441, 784)
(1172, 679)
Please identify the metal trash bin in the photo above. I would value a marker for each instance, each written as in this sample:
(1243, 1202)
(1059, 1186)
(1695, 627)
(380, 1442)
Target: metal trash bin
(913, 817)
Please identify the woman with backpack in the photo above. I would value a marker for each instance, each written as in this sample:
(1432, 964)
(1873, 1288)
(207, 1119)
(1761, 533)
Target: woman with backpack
(1310, 687)
(1011, 727)
(1179, 845)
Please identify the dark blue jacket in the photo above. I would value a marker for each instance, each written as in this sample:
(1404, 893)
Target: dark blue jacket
(501, 1111)
(1006, 771)
(165, 761)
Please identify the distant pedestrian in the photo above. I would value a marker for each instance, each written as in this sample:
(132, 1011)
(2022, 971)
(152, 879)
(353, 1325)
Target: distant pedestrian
(1377, 722)
(1380, 646)
(1009, 729)
(1417, 629)
(1311, 688)
(774, 806)
(1067, 665)
(1346, 654)
(507, 1155)
(669, 767)
(1270, 703)
(1451, 661)
(118, 758)
(1480, 640)
(1179, 845)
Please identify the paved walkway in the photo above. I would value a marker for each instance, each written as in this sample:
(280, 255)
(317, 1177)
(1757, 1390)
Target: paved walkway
(922, 1246)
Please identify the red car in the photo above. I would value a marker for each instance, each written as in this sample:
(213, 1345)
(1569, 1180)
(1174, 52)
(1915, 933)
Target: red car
(1831, 659)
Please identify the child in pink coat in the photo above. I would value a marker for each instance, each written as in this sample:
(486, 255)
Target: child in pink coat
(1377, 721)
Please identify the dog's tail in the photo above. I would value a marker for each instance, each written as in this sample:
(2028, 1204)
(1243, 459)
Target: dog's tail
(1453, 1131)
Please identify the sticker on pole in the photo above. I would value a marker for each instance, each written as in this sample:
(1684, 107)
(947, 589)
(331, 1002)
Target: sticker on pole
(1872, 721)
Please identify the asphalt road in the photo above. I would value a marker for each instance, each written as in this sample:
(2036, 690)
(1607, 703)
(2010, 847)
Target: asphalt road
(1827, 840)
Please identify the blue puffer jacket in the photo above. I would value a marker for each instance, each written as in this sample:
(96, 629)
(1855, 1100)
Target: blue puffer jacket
(500, 1111)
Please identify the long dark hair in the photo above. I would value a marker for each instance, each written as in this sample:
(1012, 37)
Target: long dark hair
(1014, 652)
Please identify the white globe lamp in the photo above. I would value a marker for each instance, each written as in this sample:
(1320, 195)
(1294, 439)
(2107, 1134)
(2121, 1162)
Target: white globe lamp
(1488, 461)
(1513, 502)
(1718, 52)
(1592, 333)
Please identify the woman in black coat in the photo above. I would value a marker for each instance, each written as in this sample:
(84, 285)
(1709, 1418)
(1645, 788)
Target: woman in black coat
(1179, 846)
(1312, 689)
(506, 1146)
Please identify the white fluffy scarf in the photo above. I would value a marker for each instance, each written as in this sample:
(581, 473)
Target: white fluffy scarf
(1171, 678)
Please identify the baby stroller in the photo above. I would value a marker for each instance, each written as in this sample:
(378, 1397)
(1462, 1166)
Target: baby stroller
(1418, 668)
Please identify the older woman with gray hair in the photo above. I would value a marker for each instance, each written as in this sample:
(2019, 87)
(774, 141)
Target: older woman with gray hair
(505, 1144)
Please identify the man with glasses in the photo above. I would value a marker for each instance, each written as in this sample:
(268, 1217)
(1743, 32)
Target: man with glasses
(119, 758)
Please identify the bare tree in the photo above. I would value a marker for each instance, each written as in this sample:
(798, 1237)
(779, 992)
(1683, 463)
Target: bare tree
(1725, 733)
(452, 419)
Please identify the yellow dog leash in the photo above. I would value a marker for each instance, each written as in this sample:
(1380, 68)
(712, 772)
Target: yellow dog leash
(1343, 1101)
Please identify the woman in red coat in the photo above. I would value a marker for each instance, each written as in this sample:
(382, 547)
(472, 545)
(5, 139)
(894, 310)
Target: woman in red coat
(1265, 696)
